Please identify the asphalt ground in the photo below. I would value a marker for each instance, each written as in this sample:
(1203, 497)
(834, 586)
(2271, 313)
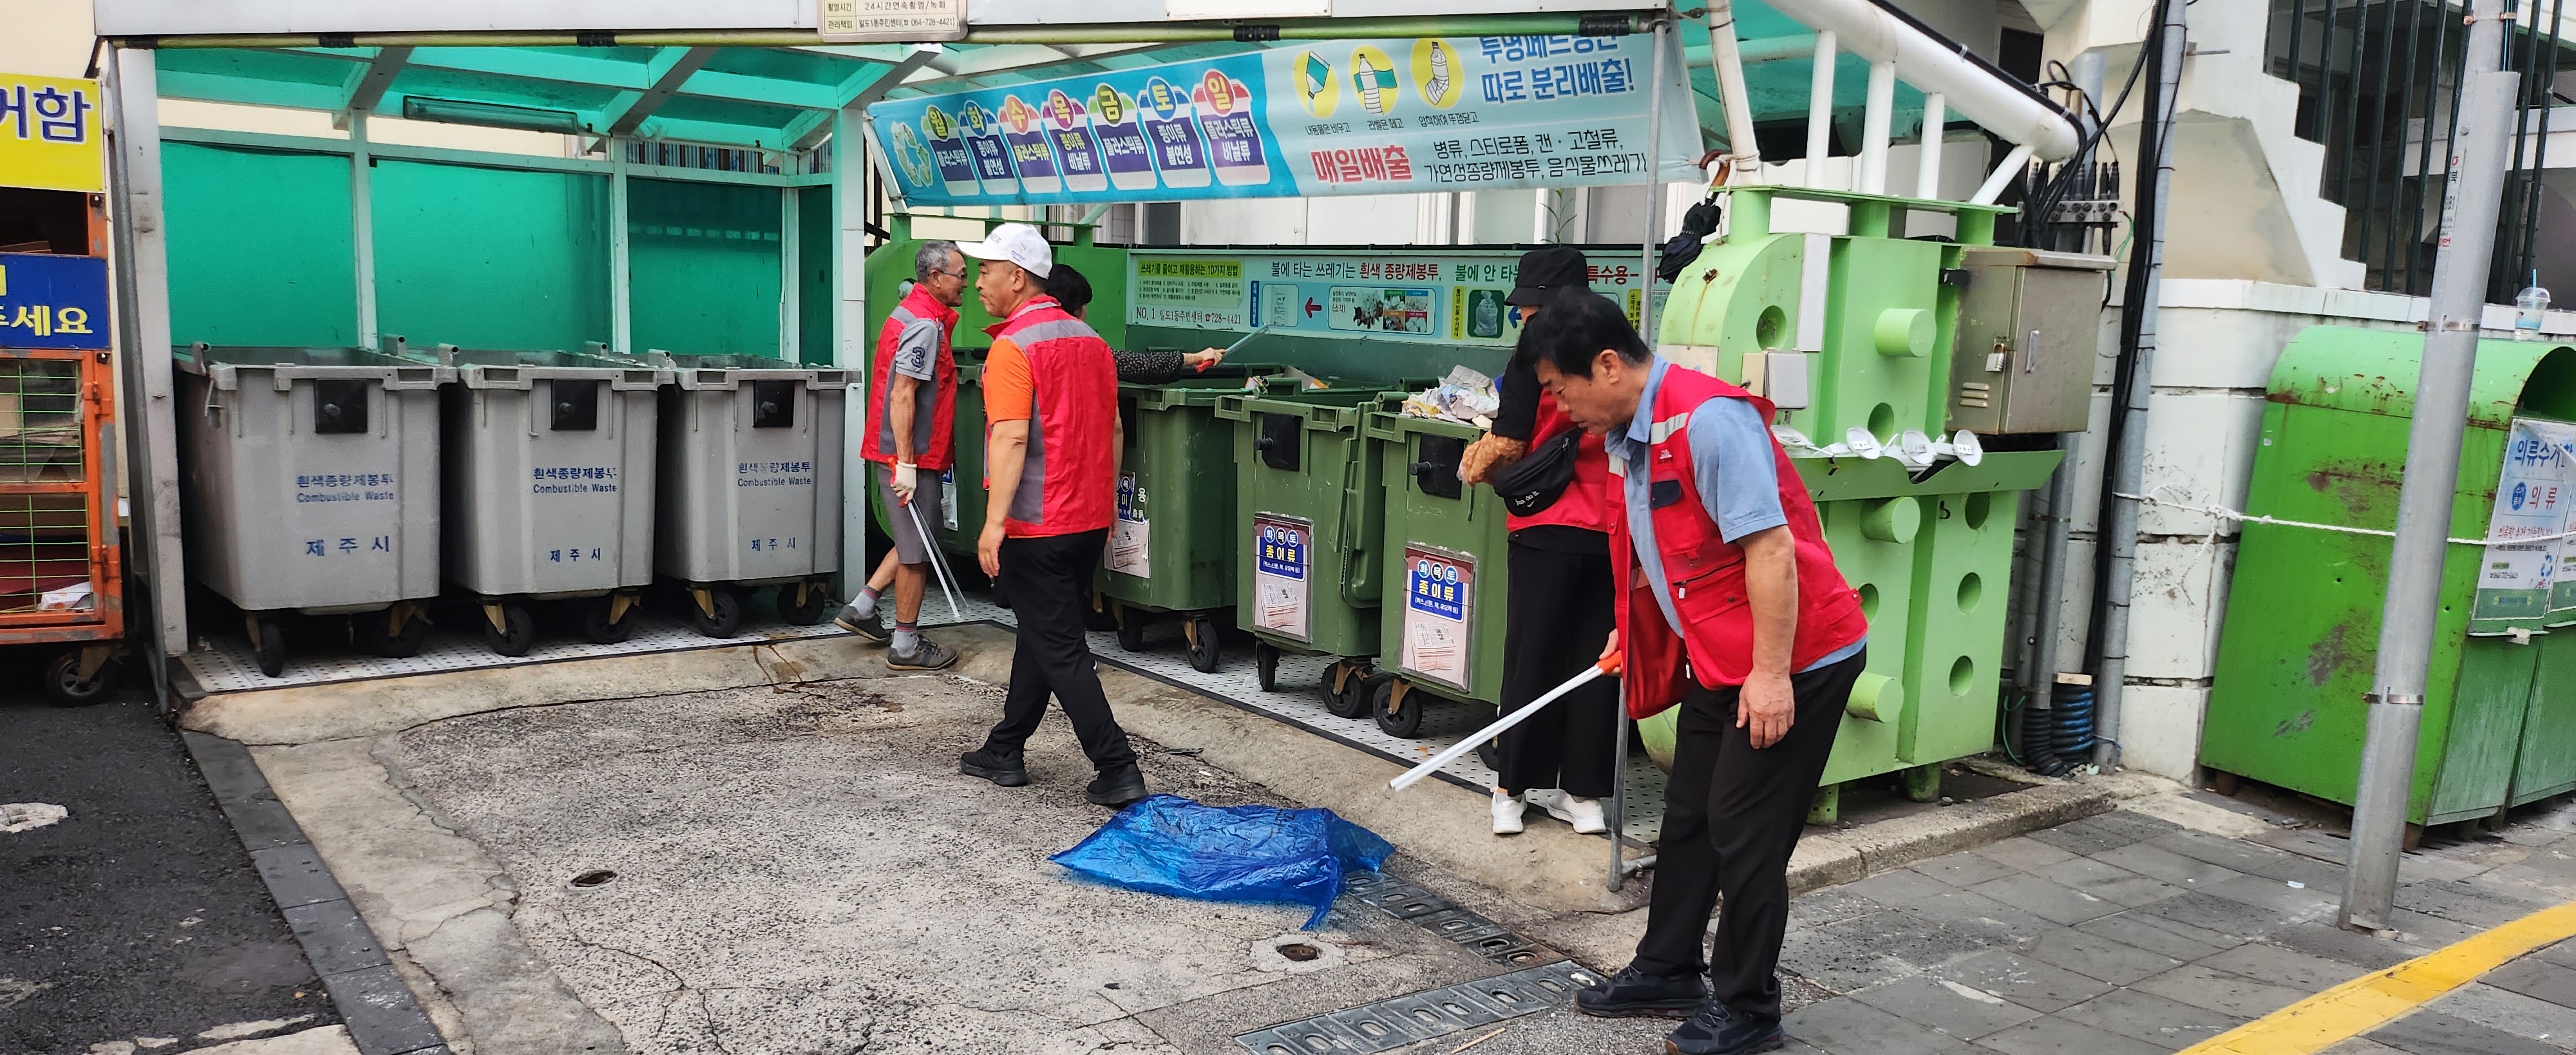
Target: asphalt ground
(139, 915)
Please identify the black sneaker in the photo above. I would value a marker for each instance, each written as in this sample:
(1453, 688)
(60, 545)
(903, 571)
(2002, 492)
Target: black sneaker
(866, 626)
(925, 655)
(993, 766)
(1635, 993)
(1116, 788)
(1716, 1030)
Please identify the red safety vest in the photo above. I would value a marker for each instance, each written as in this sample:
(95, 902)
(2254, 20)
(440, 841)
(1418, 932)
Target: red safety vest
(1586, 502)
(1707, 572)
(1067, 483)
(878, 445)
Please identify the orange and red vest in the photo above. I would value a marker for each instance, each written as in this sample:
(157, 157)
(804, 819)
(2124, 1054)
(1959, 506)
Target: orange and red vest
(1586, 502)
(938, 395)
(1706, 572)
(1066, 485)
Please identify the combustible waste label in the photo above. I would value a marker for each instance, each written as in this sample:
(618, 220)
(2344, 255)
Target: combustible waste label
(1280, 547)
(1439, 588)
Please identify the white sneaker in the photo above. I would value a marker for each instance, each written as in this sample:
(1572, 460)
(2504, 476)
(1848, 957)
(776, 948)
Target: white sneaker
(1507, 814)
(1583, 814)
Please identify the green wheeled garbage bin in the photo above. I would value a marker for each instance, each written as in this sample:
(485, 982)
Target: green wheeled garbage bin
(1442, 553)
(1307, 513)
(2298, 652)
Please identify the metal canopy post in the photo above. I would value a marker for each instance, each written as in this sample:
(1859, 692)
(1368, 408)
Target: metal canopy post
(790, 298)
(1654, 186)
(362, 227)
(621, 319)
(850, 194)
(143, 281)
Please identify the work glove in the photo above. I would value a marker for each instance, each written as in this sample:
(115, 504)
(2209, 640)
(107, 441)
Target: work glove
(906, 478)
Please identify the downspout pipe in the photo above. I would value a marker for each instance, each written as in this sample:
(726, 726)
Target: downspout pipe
(1728, 60)
(2119, 535)
(1974, 89)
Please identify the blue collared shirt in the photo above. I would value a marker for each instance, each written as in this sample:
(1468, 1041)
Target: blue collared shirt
(1732, 463)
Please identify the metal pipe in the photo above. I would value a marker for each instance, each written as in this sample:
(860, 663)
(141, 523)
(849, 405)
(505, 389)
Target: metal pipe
(1876, 115)
(2414, 599)
(2119, 535)
(2048, 622)
(2003, 104)
(1617, 24)
(1820, 109)
(1927, 170)
(1728, 62)
(1654, 182)
(2002, 176)
(142, 556)
(1618, 786)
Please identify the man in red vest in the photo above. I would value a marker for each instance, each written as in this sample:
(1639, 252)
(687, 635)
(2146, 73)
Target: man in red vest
(911, 397)
(1559, 610)
(1051, 465)
(1730, 583)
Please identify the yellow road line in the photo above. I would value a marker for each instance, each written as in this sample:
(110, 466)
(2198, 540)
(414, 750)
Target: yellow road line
(2375, 999)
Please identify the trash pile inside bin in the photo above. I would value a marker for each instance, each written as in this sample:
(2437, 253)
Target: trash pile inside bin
(1464, 396)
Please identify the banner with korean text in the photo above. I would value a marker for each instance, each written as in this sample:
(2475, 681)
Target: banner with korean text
(1304, 119)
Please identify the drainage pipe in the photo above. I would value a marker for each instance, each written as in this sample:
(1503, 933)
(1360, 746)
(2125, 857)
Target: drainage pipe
(1728, 61)
(1979, 92)
(1820, 109)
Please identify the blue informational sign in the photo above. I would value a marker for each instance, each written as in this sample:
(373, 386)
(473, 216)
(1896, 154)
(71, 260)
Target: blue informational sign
(1339, 117)
(1281, 552)
(49, 301)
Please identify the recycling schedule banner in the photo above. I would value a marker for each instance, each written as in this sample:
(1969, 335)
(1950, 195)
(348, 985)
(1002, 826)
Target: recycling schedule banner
(1342, 117)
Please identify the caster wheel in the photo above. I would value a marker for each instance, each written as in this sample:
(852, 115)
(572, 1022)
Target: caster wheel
(516, 634)
(268, 642)
(1131, 629)
(807, 612)
(64, 684)
(1407, 722)
(1205, 647)
(1351, 700)
(724, 620)
(1097, 612)
(1265, 664)
(375, 633)
(1491, 754)
(596, 625)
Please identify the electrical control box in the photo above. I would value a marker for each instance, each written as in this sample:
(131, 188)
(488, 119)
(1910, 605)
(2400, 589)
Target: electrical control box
(2030, 325)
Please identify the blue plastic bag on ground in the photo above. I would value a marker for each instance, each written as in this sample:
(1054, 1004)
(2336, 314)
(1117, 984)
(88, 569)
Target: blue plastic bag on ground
(1170, 845)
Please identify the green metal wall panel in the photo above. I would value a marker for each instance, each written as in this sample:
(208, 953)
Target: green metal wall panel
(704, 265)
(490, 258)
(261, 249)
(2547, 762)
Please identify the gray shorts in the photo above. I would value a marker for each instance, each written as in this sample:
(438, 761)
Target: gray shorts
(909, 546)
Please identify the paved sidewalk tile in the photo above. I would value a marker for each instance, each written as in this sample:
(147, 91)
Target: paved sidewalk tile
(2025, 853)
(2511, 1012)
(1846, 1026)
(2156, 862)
(1979, 916)
(2051, 1035)
(1966, 869)
(1829, 906)
(2330, 942)
(2536, 976)
(2228, 853)
(2031, 983)
(2155, 934)
(2216, 915)
(2278, 897)
(2168, 1024)
(2211, 989)
(1962, 1011)
(2054, 902)
(1900, 887)
(2098, 957)
(2110, 882)
(2278, 966)
(2462, 903)
(2434, 1033)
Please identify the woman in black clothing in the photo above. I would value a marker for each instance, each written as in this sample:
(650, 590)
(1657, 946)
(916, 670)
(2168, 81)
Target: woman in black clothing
(1072, 292)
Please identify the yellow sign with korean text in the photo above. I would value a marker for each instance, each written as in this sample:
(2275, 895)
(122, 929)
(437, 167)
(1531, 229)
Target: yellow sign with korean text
(50, 137)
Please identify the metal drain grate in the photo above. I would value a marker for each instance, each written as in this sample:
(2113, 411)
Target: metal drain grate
(1443, 917)
(1399, 1021)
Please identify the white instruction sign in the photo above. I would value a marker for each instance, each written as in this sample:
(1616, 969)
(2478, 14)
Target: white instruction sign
(1281, 548)
(1131, 536)
(2534, 493)
(898, 21)
(1439, 597)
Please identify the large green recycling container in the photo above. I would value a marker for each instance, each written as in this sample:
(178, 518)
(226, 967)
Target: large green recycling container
(2300, 646)
(1307, 513)
(1443, 553)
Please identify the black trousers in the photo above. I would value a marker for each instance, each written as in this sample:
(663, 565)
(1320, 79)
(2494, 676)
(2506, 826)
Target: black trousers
(1560, 617)
(1044, 578)
(1731, 817)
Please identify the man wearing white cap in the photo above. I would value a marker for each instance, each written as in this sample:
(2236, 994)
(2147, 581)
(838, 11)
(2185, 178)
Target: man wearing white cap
(1051, 468)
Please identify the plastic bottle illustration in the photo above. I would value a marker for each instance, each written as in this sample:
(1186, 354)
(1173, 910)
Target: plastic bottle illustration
(1030, 154)
(949, 153)
(1123, 149)
(1234, 138)
(1077, 155)
(992, 156)
(1172, 126)
(1373, 78)
(1440, 69)
(1489, 316)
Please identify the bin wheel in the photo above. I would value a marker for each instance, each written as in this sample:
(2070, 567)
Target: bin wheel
(375, 633)
(1352, 700)
(817, 602)
(63, 681)
(268, 642)
(724, 621)
(1205, 648)
(516, 634)
(597, 626)
(1396, 718)
(1265, 665)
(1098, 613)
(1131, 629)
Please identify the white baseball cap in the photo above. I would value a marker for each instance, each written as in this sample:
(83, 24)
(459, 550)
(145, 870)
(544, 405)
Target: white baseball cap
(1017, 243)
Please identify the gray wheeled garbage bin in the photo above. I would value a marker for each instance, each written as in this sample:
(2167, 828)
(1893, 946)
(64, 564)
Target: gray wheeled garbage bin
(311, 481)
(550, 474)
(750, 485)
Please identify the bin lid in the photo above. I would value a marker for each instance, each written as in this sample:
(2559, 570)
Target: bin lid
(2375, 372)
